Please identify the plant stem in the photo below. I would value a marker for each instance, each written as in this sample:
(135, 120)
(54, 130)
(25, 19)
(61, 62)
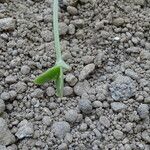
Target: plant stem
(56, 31)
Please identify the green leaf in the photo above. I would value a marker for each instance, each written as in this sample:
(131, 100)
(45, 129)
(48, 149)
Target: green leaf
(50, 75)
(60, 83)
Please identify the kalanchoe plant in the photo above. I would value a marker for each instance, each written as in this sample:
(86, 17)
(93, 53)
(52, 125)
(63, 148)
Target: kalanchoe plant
(56, 72)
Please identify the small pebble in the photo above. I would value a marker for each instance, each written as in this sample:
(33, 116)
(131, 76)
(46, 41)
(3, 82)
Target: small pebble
(50, 91)
(2, 106)
(104, 121)
(88, 69)
(5, 96)
(143, 111)
(85, 106)
(60, 129)
(118, 134)
(25, 69)
(71, 115)
(118, 106)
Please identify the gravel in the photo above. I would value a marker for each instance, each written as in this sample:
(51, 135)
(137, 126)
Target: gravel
(47, 120)
(2, 147)
(25, 129)
(71, 115)
(68, 91)
(85, 106)
(118, 106)
(38, 93)
(60, 129)
(118, 134)
(5, 96)
(7, 24)
(146, 136)
(21, 87)
(122, 88)
(2, 106)
(72, 10)
(6, 137)
(118, 22)
(143, 111)
(10, 79)
(63, 146)
(81, 87)
(71, 79)
(106, 43)
(50, 91)
(104, 121)
(86, 71)
(25, 69)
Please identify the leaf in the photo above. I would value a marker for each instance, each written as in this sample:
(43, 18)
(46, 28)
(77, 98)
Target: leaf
(60, 83)
(50, 75)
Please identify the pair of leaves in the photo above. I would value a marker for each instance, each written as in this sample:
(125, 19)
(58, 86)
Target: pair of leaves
(53, 74)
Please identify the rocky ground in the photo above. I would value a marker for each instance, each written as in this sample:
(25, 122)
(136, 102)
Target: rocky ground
(107, 91)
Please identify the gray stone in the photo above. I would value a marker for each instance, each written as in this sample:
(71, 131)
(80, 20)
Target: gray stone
(84, 1)
(60, 129)
(85, 106)
(133, 50)
(88, 69)
(68, 138)
(147, 100)
(71, 115)
(5, 96)
(118, 134)
(38, 93)
(122, 88)
(146, 136)
(10, 79)
(2, 147)
(71, 29)
(7, 24)
(47, 35)
(63, 146)
(68, 91)
(145, 55)
(70, 2)
(25, 129)
(83, 127)
(2, 106)
(104, 121)
(143, 111)
(139, 2)
(131, 74)
(88, 59)
(71, 79)
(97, 104)
(79, 23)
(13, 94)
(25, 69)
(81, 87)
(50, 91)
(47, 120)
(118, 106)
(63, 28)
(21, 87)
(72, 10)
(118, 22)
(128, 127)
(127, 147)
(99, 58)
(6, 138)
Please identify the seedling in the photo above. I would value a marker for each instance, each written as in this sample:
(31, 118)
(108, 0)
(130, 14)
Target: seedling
(56, 73)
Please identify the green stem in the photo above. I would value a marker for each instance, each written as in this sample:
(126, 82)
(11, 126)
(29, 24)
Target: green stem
(56, 31)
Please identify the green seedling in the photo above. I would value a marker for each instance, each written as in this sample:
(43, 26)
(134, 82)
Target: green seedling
(56, 73)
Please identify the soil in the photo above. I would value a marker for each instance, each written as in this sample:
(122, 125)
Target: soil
(107, 91)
